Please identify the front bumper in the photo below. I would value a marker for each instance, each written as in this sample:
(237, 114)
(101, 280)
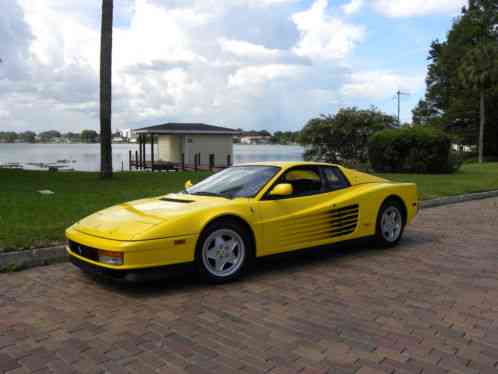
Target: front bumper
(96, 270)
(136, 275)
(136, 254)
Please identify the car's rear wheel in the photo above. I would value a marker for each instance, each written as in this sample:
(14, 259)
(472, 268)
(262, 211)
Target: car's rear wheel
(390, 224)
(222, 251)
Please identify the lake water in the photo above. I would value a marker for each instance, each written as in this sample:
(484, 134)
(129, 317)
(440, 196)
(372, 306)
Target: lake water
(86, 157)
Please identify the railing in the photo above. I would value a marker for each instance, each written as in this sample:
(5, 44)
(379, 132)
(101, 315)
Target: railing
(139, 162)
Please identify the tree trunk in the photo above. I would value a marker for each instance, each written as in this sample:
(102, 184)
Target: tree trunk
(106, 89)
(482, 117)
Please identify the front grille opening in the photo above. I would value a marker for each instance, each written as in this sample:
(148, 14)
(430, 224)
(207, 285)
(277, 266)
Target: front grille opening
(84, 251)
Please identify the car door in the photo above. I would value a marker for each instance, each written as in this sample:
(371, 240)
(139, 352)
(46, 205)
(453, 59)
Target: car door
(307, 217)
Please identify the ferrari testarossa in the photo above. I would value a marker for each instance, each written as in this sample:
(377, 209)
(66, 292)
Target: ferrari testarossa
(240, 213)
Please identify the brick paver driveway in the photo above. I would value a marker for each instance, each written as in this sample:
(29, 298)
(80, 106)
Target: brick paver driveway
(428, 306)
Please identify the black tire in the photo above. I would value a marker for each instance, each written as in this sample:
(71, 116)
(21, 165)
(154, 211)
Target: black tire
(382, 238)
(204, 265)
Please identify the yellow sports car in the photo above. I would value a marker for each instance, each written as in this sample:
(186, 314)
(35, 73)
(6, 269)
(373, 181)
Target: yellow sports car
(243, 212)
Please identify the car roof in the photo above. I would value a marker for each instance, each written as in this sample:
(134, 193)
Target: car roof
(286, 164)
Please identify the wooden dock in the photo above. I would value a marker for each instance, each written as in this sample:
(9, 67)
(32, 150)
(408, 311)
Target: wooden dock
(140, 163)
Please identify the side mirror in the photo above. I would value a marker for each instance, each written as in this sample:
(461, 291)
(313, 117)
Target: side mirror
(188, 184)
(282, 189)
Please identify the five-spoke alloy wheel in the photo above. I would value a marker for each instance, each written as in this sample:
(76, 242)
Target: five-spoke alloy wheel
(222, 251)
(390, 224)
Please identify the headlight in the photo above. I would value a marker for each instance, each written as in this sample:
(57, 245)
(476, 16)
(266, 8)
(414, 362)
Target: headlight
(111, 258)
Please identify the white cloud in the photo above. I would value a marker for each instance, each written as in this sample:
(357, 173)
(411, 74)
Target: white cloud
(406, 8)
(219, 7)
(241, 63)
(323, 36)
(257, 75)
(245, 49)
(262, 3)
(59, 40)
(156, 33)
(241, 53)
(380, 84)
(353, 6)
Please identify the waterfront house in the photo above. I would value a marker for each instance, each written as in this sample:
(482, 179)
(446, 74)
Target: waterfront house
(187, 144)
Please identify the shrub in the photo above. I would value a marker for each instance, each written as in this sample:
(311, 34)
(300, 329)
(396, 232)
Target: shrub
(412, 150)
(344, 136)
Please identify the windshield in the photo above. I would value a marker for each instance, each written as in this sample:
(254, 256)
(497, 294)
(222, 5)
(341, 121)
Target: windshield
(238, 181)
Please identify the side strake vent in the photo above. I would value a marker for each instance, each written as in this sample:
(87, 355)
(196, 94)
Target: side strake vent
(176, 200)
(344, 220)
(324, 225)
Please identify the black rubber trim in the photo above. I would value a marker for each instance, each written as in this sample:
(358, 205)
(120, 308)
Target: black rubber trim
(97, 270)
(132, 275)
(168, 199)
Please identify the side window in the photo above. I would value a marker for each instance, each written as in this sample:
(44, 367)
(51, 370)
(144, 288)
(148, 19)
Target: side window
(334, 179)
(304, 181)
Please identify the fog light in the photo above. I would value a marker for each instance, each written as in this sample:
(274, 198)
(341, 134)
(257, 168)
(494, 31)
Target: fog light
(111, 258)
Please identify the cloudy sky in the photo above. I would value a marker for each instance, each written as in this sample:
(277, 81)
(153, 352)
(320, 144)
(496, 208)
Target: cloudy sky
(254, 64)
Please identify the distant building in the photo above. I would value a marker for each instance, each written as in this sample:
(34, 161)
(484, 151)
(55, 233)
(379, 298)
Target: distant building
(255, 139)
(126, 133)
(463, 148)
(190, 139)
(125, 136)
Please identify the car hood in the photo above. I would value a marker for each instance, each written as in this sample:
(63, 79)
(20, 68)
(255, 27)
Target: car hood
(128, 220)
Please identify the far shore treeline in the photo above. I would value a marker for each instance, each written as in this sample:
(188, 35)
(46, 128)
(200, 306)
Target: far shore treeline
(51, 136)
(92, 136)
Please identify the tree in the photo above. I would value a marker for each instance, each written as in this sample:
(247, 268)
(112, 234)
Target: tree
(425, 113)
(8, 136)
(285, 137)
(47, 136)
(450, 103)
(72, 137)
(344, 136)
(479, 72)
(89, 136)
(27, 137)
(106, 89)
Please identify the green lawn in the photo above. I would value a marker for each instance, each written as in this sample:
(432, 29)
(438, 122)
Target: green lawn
(470, 178)
(29, 219)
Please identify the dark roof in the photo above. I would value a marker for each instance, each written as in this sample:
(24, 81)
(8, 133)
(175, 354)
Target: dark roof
(187, 128)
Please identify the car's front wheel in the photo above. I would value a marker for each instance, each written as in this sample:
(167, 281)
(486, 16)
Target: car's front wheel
(390, 224)
(222, 251)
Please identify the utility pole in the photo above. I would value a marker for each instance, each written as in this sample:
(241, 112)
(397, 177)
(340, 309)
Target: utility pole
(398, 97)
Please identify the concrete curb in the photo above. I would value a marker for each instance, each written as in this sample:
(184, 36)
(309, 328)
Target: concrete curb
(11, 261)
(458, 199)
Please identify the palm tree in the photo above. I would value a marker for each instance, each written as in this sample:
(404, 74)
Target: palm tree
(106, 89)
(479, 72)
